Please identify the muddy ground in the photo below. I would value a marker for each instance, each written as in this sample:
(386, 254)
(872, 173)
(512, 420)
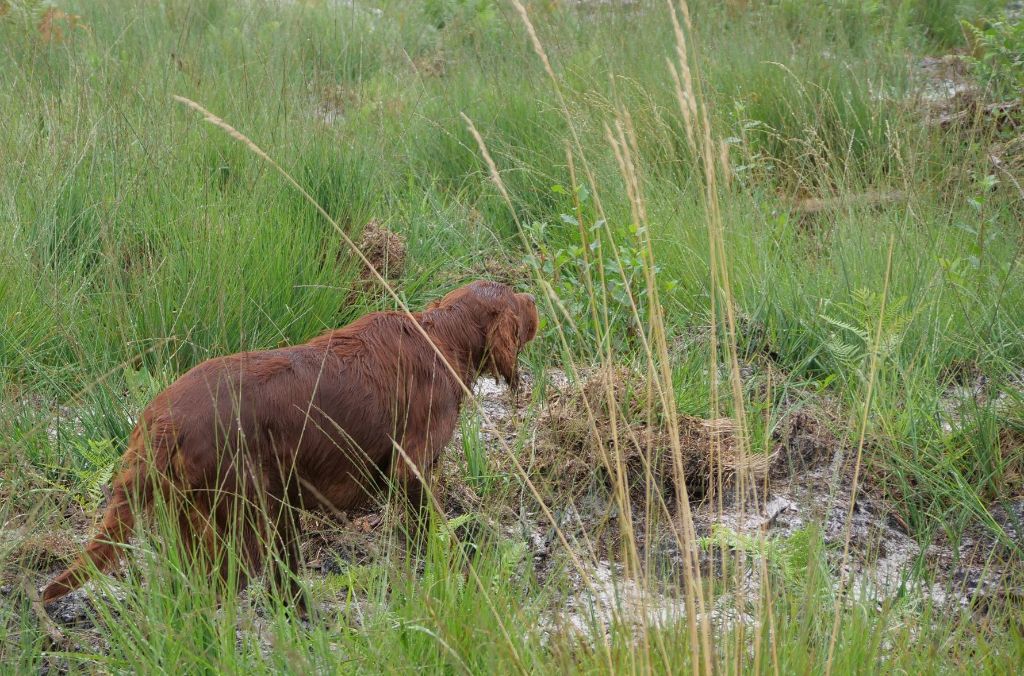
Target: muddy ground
(807, 480)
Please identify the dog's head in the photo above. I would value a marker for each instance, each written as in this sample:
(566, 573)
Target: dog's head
(507, 320)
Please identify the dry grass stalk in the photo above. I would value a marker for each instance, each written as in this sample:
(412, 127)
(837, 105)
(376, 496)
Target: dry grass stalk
(713, 160)
(872, 372)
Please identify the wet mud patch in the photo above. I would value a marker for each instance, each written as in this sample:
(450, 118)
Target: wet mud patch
(803, 485)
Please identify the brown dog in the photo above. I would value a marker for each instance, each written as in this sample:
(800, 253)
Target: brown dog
(316, 425)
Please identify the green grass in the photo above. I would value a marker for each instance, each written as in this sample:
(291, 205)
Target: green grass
(138, 241)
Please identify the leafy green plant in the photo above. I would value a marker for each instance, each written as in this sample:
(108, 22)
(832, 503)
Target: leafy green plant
(854, 324)
(581, 259)
(998, 61)
(510, 557)
(142, 385)
(352, 580)
(468, 20)
(790, 557)
(444, 535)
(97, 462)
(976, 270)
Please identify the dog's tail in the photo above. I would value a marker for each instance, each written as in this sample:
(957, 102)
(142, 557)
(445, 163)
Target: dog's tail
(146, 460)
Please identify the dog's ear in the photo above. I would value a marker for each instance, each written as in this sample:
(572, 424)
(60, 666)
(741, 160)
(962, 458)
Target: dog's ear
(529, 319)
(503, 347)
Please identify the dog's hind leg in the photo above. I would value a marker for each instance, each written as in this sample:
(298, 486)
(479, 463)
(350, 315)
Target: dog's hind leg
(285, 573)
(410, 471)
(282, 515)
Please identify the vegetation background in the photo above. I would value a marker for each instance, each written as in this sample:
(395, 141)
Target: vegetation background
(770, 212)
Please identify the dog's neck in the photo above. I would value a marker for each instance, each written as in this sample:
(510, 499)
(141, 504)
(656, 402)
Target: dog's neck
(460, 338)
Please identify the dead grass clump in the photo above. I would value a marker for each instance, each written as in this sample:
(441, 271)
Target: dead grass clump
(612, 425)
(327, 538)
(802, 441)
(431, 64)
(506, 271)
(451, 487)
(1008, 158)
(332, 102)
(1011, 445)
(42, 551)
(384, 248)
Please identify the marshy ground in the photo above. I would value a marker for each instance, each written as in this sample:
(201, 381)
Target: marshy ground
(774, 416)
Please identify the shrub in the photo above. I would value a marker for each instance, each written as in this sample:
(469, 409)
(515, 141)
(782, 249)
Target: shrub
(998, 59)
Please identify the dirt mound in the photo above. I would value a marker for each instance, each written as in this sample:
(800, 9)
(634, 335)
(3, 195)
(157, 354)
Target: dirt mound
(612, 426)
